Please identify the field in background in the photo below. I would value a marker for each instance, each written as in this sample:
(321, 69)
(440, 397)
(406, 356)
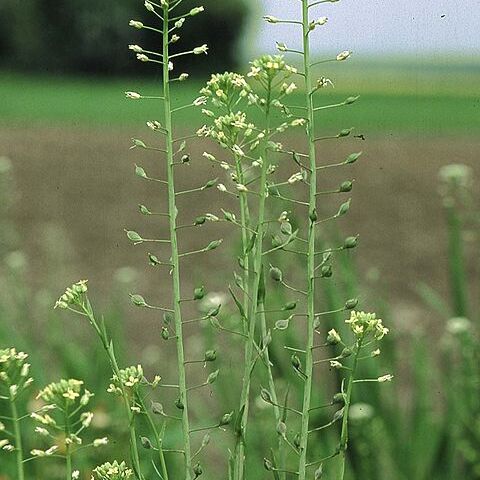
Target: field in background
(396, 98)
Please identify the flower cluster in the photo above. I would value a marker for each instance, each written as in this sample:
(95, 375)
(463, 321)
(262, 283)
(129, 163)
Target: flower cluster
(364, 324)
(112, 471)
(223, 88)
(73, 295)
(65, 392)
(129, 378)
(267, 67)
(14, 372)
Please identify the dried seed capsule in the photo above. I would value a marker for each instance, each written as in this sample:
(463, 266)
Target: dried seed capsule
(275, 274)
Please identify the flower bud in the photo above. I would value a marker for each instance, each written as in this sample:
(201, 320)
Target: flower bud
(136, 24)
(333, 337)
(149, 6)
(201, 49)
(344, 55)
(183, 77)
(270, 19)
(196, 11)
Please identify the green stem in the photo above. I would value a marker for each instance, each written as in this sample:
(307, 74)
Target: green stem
(18, 439)
(68, 447)
(348, 399)
(255, 278)
(172, 210)
(108, 346)
(307, 393)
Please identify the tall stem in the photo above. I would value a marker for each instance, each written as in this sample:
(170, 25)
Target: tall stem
(68, 447)
(172, 210)
(108, 346)
(18, 439)
(311, 249)
(348, 400)
(256, 269)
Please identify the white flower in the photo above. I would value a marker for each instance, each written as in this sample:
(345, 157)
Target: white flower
(200, 50)
(183, 77)
(222, 187)
(170, 66)
(344, 55)
(199, 101)
(335, 364)
(133, 95)
(42, 431)
(75, 475)
(296, 177)
(322, 21)
(100, 441)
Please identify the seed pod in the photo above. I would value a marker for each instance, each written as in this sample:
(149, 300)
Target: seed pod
(344, 208)
(153, 259)
(313, 215)
(282, 324)
(296, 440)
(210, 355)
(138, 300)
(134, 236)
(346, 352)
(213, 376)
(210, 183)
(146, 443)
(229, 217)
(345, 132)
(286, 228)
(179, 404)
(351, 303)
(326, 271)
(351, 100)
(165, 333)
(333, 337)
(205, 440)
(266, 396)
(316, 322)
(282, 429)
(277, 241)
(339, 399)
(346, 186)
(267, 464)
(144, 210)
(353, 157)
(138, 143)
(168, 318)
(338, 414)
(199, 293)
(275, 274)
(290, 306)
(319, 472)
(200, 220)
(213, 312)
(213, 245)
(226, 419)
(157, 408)
(296, 363)
(350, 242)
(197, 470)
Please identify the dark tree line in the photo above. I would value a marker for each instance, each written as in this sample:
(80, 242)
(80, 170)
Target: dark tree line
(91, 36)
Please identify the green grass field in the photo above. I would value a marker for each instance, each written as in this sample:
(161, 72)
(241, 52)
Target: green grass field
(396, 98)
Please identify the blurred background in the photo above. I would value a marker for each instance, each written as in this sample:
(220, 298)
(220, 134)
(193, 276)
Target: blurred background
(67, 190)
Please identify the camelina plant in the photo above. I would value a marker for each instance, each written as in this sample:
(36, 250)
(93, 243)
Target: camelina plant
(278, 214)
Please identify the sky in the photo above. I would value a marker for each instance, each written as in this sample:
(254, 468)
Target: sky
(380, 27)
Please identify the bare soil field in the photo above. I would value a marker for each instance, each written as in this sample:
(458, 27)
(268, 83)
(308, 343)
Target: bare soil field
(76, 191)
